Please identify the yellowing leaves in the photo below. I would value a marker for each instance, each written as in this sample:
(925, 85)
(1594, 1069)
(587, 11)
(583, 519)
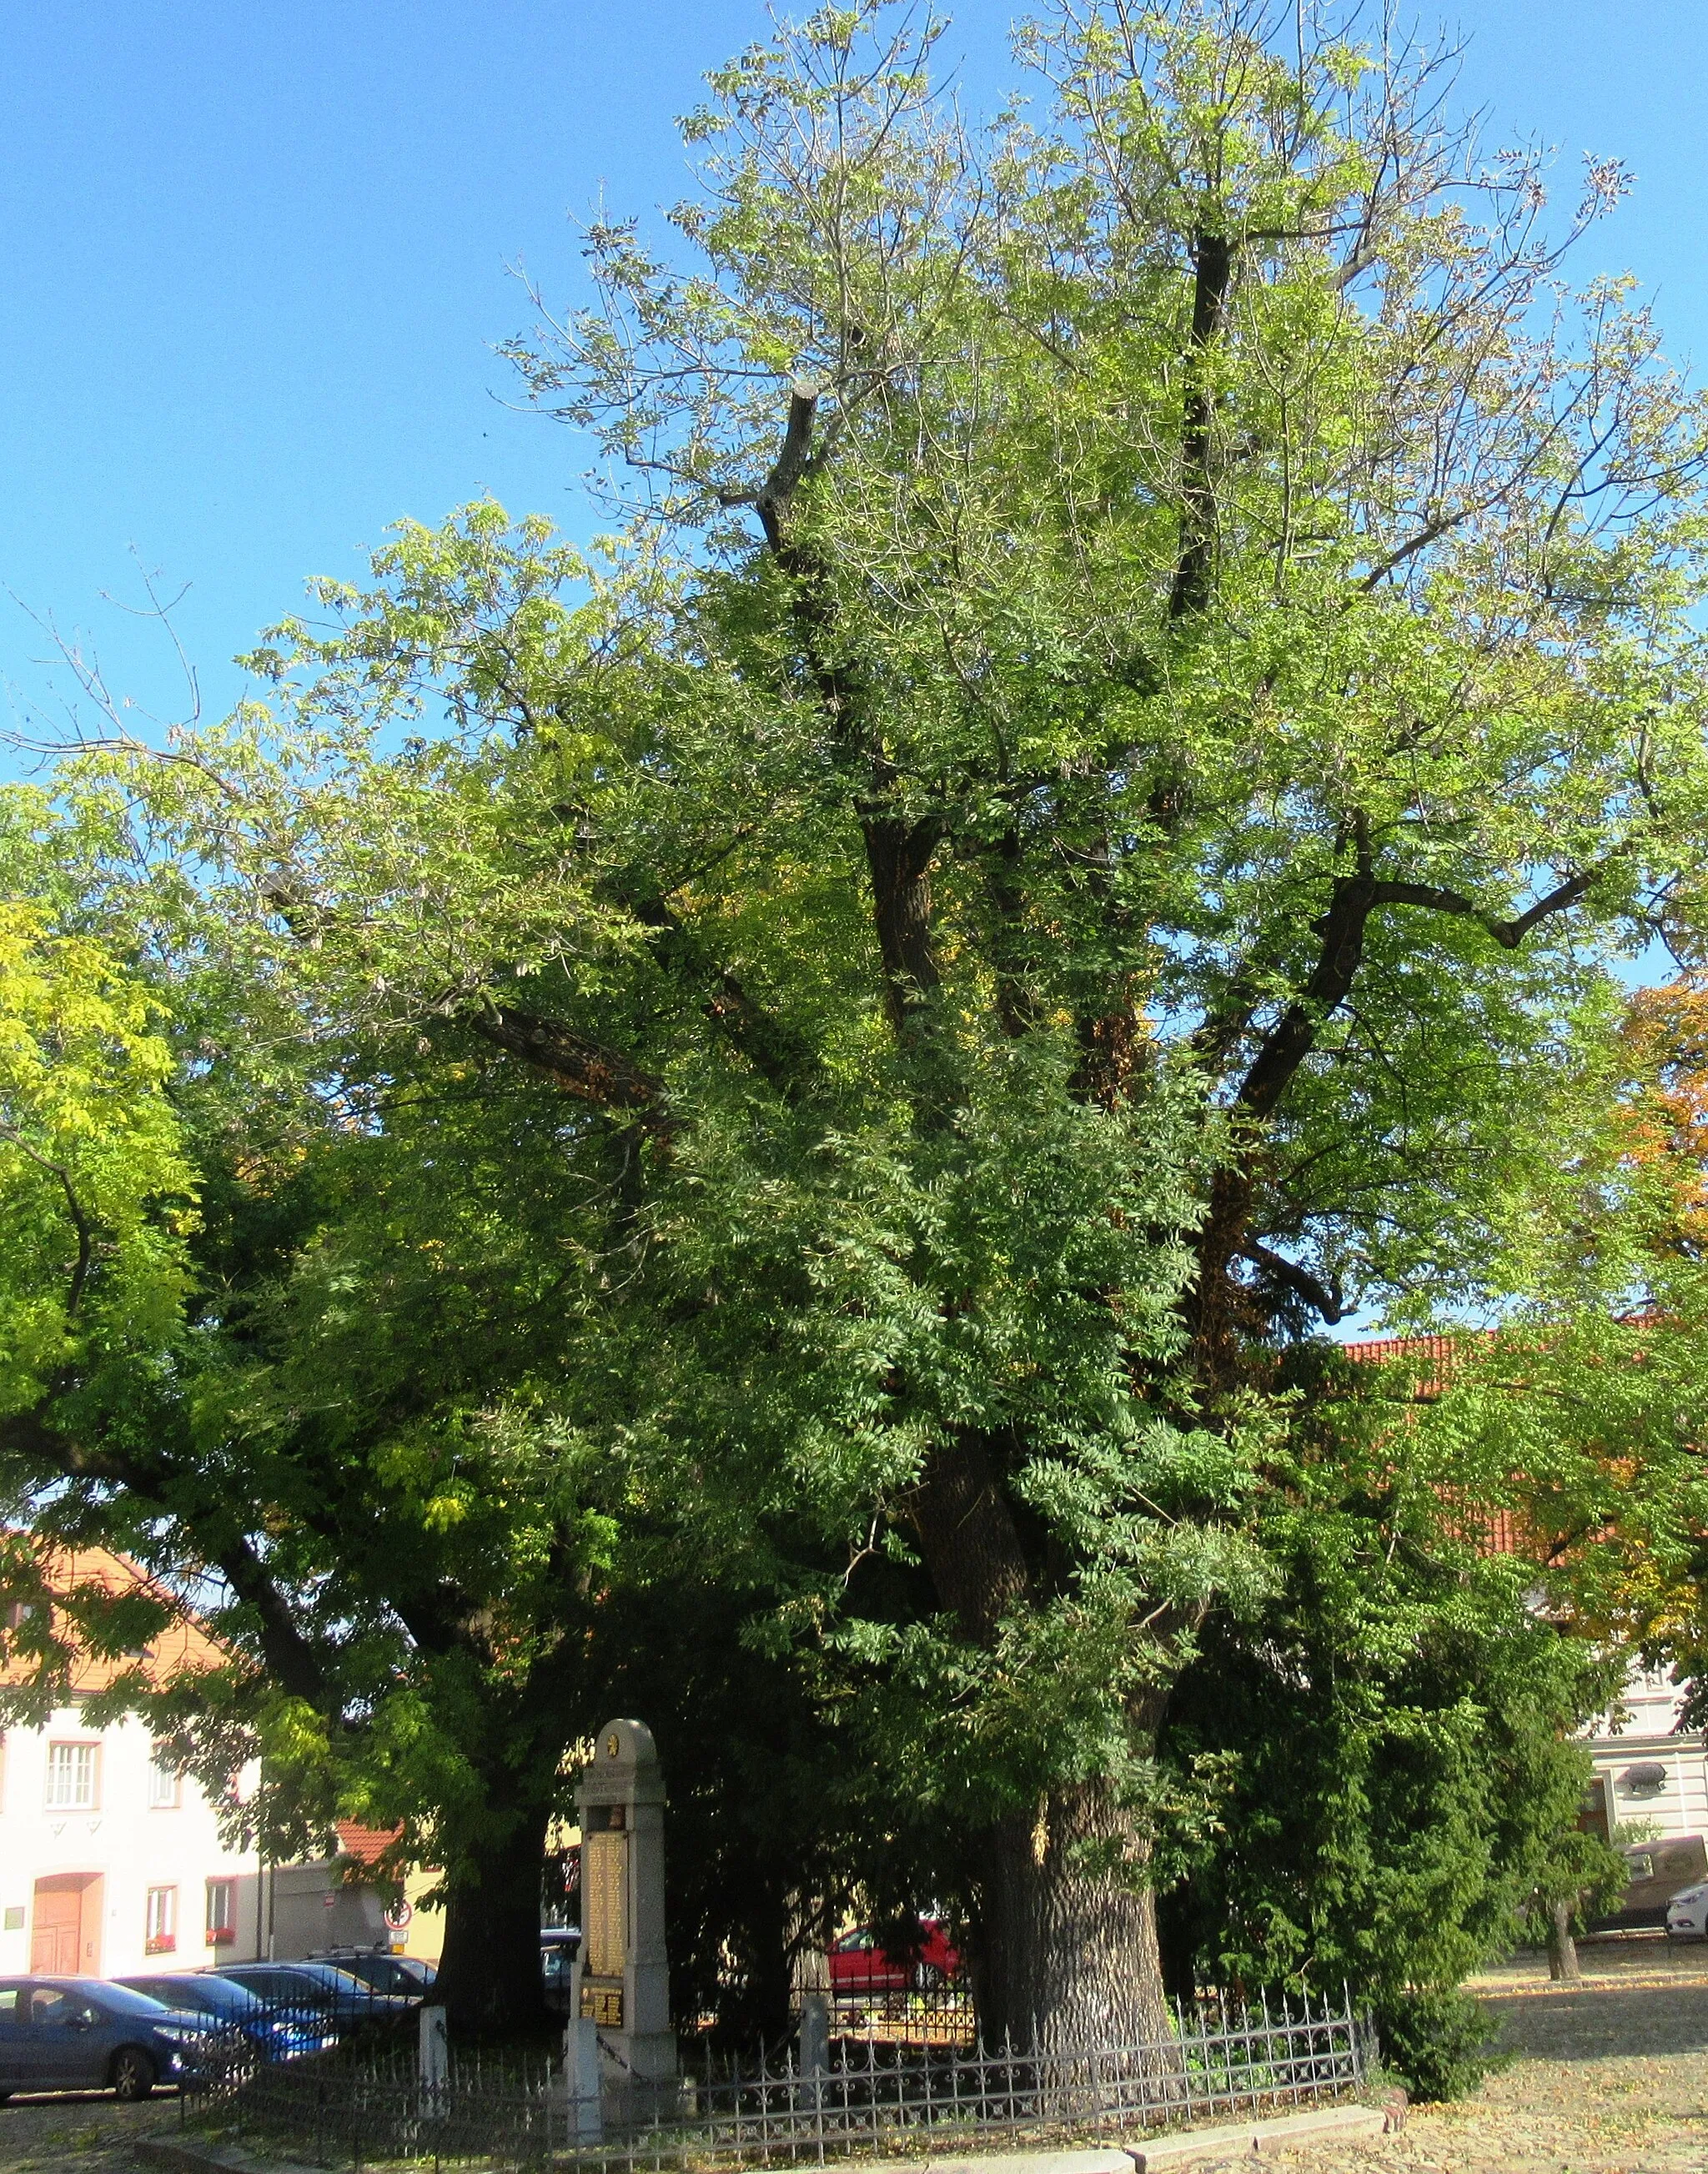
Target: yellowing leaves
(96, 1194)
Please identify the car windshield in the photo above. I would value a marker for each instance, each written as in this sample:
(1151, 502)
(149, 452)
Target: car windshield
(379, 1972)
(122, 1999)
(207, 1996)
(331, 1976)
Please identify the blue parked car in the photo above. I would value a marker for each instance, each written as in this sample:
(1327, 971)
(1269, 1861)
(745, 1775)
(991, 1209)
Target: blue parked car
(224, 2005)
(80, 2034)
(316, 1991)
(407, 1975)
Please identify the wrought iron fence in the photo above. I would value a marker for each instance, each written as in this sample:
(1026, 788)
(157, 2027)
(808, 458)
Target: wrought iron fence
(872, 2099)
(928, 2015)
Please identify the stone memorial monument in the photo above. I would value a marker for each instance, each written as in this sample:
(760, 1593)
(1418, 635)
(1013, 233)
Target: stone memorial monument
(625, 1977)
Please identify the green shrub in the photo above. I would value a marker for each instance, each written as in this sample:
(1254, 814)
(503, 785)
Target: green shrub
(1439, 2044)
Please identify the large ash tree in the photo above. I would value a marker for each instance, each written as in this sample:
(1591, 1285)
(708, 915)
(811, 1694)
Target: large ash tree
(1149, 670)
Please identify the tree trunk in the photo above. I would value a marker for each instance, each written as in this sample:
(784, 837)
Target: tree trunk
(489, 1973)
(1070, 1960)
(1562, 1948)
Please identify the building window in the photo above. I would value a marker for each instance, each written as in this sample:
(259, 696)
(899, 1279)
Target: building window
(163, 1921)
(72, 1770)
(221, 1911)
(163, 1784)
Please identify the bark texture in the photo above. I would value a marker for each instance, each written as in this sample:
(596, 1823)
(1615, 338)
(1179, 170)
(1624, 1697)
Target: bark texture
(1070, 1957)
(1562, 1948)
(489, 1973)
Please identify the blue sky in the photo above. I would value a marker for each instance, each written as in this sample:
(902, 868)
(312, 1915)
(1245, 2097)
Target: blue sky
(254, 260)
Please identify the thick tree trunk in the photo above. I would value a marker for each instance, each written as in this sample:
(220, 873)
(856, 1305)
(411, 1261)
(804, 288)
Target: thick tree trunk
(1070, 1960)
(1562, 1948)
(489, 1973)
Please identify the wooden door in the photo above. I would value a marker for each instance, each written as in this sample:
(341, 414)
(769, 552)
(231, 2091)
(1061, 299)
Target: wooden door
(56, 1926)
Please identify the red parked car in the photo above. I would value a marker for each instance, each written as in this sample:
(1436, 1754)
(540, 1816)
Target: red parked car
(859, 1965)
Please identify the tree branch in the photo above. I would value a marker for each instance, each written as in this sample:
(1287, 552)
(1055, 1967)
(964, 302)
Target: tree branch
(899, 848)
(80, 1222)
(1330, 1305)
(1189, 591)
(783, 1057)
(771, 500)
(1509, 934)
(289, 1657)
(584, 1069)
(1342, 929)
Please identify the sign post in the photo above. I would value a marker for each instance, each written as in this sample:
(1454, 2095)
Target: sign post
(625, 1977)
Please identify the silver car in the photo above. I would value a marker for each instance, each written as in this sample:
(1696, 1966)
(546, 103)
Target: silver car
(1687, 1913)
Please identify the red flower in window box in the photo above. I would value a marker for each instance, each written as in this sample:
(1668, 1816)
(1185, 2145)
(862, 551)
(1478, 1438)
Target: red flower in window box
(219, 1935)
(163, 1943)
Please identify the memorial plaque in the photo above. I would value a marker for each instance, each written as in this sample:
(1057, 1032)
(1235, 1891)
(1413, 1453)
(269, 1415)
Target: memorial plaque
(605, 1901)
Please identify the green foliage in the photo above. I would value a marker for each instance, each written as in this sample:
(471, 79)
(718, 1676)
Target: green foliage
(1399, 1724)
(1436, 2041)
(1151, 679)
(94, 1190)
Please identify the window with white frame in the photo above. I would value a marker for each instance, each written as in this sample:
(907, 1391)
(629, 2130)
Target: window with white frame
(165, 1784)
(221, 1911)
(73, 1773)
(162, 1934)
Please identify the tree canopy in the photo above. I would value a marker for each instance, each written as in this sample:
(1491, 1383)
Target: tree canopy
(1080, 831)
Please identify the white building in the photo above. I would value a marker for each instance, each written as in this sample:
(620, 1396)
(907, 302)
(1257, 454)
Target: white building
(111, 1862)
(1649, 1783)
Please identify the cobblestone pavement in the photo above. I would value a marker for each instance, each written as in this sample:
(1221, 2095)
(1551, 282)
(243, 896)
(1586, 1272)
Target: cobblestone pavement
(81, 2133)
(1608, 2079)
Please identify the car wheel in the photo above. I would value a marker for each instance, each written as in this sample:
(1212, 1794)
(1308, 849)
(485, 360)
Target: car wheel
(928, 1977)
(133, 2073)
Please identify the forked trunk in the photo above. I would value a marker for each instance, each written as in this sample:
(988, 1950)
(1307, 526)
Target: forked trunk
(489, 1973)
(1070, 1961)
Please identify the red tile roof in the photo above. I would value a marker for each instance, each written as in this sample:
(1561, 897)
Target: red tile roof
(365, 1845)
(1492, 1530)
(184, 1647)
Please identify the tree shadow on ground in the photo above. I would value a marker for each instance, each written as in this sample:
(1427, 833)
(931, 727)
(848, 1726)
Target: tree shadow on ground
(1594, 2023)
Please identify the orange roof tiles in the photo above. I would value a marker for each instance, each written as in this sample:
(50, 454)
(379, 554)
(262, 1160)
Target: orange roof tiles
(1493, 1530)
(366, 1844)
(183, 1646)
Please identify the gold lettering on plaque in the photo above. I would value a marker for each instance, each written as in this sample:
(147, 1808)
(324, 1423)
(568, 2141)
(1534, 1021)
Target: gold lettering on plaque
(605, 1901)
(602, 2005)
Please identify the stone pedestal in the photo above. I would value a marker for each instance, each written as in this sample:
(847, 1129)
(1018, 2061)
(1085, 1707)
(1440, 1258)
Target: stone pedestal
(626, 1977)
